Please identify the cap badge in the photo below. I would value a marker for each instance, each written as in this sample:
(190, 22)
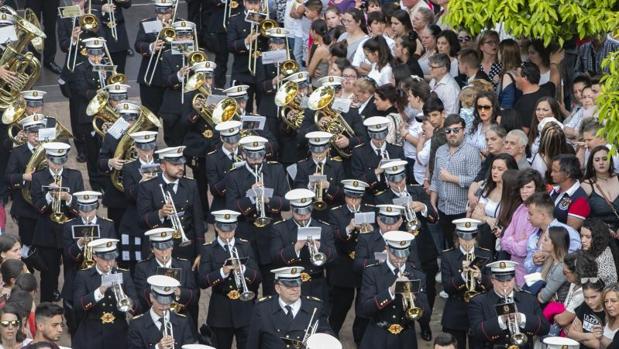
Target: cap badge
(467, 224)
(167, 289)
(227, 216)
(109, 244)
(126, 106)
(146, 137)
(389, 209)
(303, 200)
(86, 197)
(502, 265)
(394, 168)
(355, 183)
(35, 93)
(179, 151)
(164, 234)
(293, 271)
(239, 89)
(402, 243)
(316, 139)
(255, 144)
(36, 117)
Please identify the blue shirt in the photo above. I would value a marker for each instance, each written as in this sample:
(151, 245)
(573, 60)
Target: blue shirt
(532, 245)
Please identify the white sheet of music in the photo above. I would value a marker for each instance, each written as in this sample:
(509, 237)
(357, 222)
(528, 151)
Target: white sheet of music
(364, 218)
(341, 105)
(292, 171)
(118, 128)
(8, 34)
(152, 26)
(47, 134)
(275, 56)
(304, 233)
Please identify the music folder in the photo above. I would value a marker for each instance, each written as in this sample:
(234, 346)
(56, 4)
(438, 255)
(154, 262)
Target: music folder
(112, 278)
(83, 230)
(71, 11)
(304, 233)
(255, 17)
(230, 262)
(380, 257)
(171, 272)
(405, 286)
(505, 308)
(365, 217)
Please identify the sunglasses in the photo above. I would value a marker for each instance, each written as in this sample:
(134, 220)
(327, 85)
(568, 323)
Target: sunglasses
(454, 130)
(484, 107)
(7, 323)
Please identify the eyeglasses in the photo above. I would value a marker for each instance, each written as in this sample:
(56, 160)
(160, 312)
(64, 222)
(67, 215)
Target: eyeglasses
(455, 130)
(491, 42)
(484, 107)
(464, 38)
(436, 66)
(7, 323)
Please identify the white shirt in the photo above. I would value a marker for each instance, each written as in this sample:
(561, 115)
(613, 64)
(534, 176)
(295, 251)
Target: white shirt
(48, 195)
(363, 105)
(359, 56)
(296, 306)
(448, 91)
(156, 318)
(414, 129)
(477, 139)
(392, 268)
(167, 181)
(421, 165)
(98, 295)
(381, 150)
(383, 76)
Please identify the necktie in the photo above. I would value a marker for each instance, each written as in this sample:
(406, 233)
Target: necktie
(289, 312)
(170, 188)
(396, 271)
(162, 327)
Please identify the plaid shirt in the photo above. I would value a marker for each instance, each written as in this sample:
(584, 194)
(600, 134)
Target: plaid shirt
(464, 163)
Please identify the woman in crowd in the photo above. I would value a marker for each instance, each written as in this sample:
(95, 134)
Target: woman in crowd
(428, 40)
(26, 283)
(11, 334)
(552, 143)
(378, 53)
(586, 110)
(510, 201)
(540, 55)
(487, 208)
(417, 91)
(10, 247)
(401, 24)
(386, 100)
(356, 31)
(488, 45)
(405, 47)
(10, 269)
(350, 75)
(421, 18)
(595, 242)
(545, 108)
(334, 22)
(555, 243)
(611, 307)
(509, 59)
(423, 151)
(588, 325)
(318, 66)
(516, 234)
(337, 66)
(364, 97)
(485, 115)
(602, 186)
(447, 43)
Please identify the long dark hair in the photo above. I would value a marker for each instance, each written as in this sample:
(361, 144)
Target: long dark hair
(530, 175)
(319, 27)
(491, 96)
(379, 45)
(590, 170)
(582, 266)
(12, 308)
(403, 17)
(7, 241)
(510, 163)
(556, 112)
(452, 39)
(510, 197)
(560, 239)
(359, 17)
(599, 236)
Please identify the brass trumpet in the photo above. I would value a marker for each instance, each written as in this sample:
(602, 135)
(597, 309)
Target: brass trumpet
(88, 261)
(263, 220)
(320, 101)
(123, 303)
(57, 215)
(412, 312)
(319, 202)
(239, 276)
(168, 35)
(517, 338)
(177, 224)
(471, 282)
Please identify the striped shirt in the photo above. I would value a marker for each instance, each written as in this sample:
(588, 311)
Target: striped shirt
(464, 163)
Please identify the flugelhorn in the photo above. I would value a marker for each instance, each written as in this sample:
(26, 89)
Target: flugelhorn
(239, 275)
(168, 329)
(471, 282)
(57, 215)
(177, 224)
(123, 303)
(411, 311)
(321, 100)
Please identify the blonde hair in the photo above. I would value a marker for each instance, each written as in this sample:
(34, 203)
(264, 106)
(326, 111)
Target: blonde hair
(467, 97)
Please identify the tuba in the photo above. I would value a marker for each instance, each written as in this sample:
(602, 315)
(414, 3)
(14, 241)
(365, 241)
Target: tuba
(288, 99)
(320, 101)
(213, 114)
(101, 111)
(124, 150)
(12, 115)
(37, 43)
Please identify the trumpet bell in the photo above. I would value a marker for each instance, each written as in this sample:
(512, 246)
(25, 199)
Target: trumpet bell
(194, 82)
(320, 205)
(413, 228)
(58, 218)
(89, 22)
(414, 313)
(289, 67)
(266, 25)
(262, 222)
(196, 57)
(468, 295)
(167, 34)
(318, 259)
(247, 296)
(97, 104)
(286, 93)
(117, 78)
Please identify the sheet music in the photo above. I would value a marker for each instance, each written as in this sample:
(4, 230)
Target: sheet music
(8, 34)
(118, 128)
(304, 233)
(365, 218)
(253, 122)
(341, 105)
(109, 279)
(46, 134)
(275, 56)
(152, 26)
(71, 11)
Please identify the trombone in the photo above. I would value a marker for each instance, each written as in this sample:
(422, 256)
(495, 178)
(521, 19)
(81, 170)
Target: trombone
(167, 34)
(112, 23)
(229, 5)
(179, 232)
(262, 220)
(254, 52)
(239, 275)
(87, 22)
(412, 312)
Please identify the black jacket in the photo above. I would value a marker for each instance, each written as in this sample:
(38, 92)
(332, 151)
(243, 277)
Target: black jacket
(122, 44)
(144, 334)
(112, 197)
(14, 171)
(142, 46)
(365, 161)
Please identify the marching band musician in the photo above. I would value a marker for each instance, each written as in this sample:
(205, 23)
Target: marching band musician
(112, 28)
(388, 218)
(221, 161)
(133, 173)
(341, 277)
(320, 163)
(160, 327)
(77, 233)
(418, 205)
(84, 85)
(292, 146)
(288, 250)
(148, 43)
(17, 178)
(214, 35)
(499, 314)
(268, 76)
(286, 318)
(252, 178)
(230, 295)
(457, 268)
(183, 212)
(366, 158)
(173, 72)
(391, 324)
(187, 295)
(52, 190)
(113, 198)
(239, 40)
(103, 299)
(35, 101)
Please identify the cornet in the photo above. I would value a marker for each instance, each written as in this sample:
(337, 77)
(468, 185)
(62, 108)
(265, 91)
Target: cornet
(239, 276)
(168, 329)
(471, 282)
(123, 303)
(412, 223)
(57, 215)
(316, 257)
(262, 220)
(179, 232)
(412, 312)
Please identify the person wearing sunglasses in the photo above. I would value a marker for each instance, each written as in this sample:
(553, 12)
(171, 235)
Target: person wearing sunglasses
(484, 115)
(11, 334)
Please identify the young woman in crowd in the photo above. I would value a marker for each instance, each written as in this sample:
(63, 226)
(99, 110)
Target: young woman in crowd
(401, 24)
(378, 53)
(488, 45)
(611, 307)
(545, 108)
(11, 334)
(587, 327)
(485, 114)
(555, 243)
(510, 200)
(350, 75)
(447, 43)
(334, 22)
(386, 99)
(10, 247)
(602, 187)
(10, 269)
(587, 110)
(356, 31)
(318, 66)
(542, 57)
(364, 97)
(509, 59)
(552, 143)
(595, 243)
(405, 47)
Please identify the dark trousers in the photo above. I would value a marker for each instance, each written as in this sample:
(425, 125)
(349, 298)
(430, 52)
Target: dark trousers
(120, 60)
(151, 97)
(268, 279)
(341, 301)
(448, 228)
(79, 134)
(26, 230)
(461, 337)
(221, 59)
(49, 279)
(47, 12)
(116, 214)
(199, 174)
(70, 316)
(92, 153)
(174, 129)
(223, 337)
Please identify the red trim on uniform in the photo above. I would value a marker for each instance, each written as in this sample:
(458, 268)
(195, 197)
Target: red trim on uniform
(484, 331)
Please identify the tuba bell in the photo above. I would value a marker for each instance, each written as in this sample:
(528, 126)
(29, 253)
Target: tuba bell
(213, 114)
(101, 111)
(12, 115)
(287, 98)
(320, 101)
(289, 67)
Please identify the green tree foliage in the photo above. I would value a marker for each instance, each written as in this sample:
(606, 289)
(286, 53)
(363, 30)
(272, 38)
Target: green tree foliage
(554, 21)
(608, 100)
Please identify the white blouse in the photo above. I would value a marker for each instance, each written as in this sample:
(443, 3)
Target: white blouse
(383, 76)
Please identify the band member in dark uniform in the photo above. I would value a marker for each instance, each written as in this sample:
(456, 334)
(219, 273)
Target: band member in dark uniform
(52, 190)
(35, 101)
(183, 212)
(366, 158)
(148, 44)
(313, 254)
(18, 180)
(320, 163)
(133, 173)
(344, 281)
(173, 72)
(239, 39)
(391, 325)
(109, 161)
(84, 84)
(221, 161)
(102, 304)
(292, 145)
(244, 185)
(231, 297)
(284, 318)
(112, 29)
(268, 76)
(160, 327)
(502, 311)
(458, 266)
(77, 233)
(187, 295)
(420, 213)
(46, 12)
(214, 35)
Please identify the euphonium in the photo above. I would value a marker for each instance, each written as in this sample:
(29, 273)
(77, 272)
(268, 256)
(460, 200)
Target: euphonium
(213, 114)
(101, 111)
(471, 283)
(412, 312)
(197, 82)
(321, 100)
(12, 115)
(124, 150)
(287, 98)
(123, 303)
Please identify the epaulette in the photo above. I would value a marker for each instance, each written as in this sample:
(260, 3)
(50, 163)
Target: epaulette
(448, 249)
(206, 243)
(236, 168)
(313, 298)
(213, 152)
(359, 145)
(234, 14)
(150, 179)
(272, 162)
(323, 222)
(379, 193)
(336, 207)
(106, 219)
(87, 267)
(130, 161)
(181, 315)
(242, 240)
(337, 158)
(283, 220)
(138, 316)
(122, 269)
(182, 259)
(372, 265)
(79, 63)
(483, 248)
(187, 177)
(264, 299)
